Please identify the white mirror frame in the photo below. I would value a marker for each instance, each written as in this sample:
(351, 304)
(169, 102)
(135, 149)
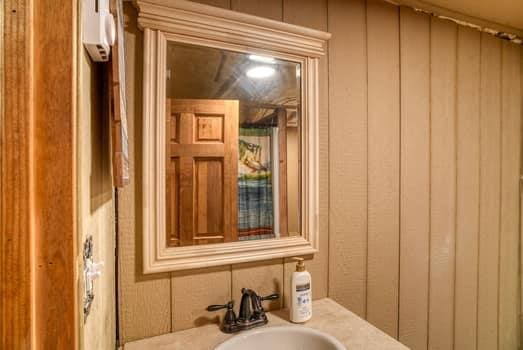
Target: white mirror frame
(193, 23)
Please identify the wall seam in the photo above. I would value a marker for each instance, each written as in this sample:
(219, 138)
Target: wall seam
(400, 157)
(500, 211)
(283, 259)
(116, 270)
(328, 151)
(456, 150)
(171, 301)
(367, 160)
(231, 293)
(430, 182)
(479, 183)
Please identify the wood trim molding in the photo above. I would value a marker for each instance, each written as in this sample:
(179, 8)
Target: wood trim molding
(54, 153)
(37, 253)
(209, 22)
(16, 296)
(198, 24)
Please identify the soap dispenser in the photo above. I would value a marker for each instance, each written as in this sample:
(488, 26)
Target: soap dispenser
(301, 302)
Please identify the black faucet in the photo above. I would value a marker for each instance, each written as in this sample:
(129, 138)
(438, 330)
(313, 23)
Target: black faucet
(251, 312)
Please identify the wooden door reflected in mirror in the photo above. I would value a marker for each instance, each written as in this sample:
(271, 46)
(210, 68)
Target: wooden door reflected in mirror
(201, 167)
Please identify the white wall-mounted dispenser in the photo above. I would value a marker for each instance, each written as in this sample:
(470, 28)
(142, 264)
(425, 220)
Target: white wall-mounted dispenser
(99, 32)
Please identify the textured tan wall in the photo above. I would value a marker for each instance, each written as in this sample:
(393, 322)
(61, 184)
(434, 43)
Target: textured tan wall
(95, 205)
(419, 152)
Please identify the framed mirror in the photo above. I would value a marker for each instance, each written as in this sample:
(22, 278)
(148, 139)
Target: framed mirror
(230, 136)
(232, 146)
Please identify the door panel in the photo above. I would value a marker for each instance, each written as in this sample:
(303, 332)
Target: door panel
(209, 128)
(209, 199)
(202, 167)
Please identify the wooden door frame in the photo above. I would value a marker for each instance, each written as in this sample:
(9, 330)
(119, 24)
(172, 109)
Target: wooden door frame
(38, 92)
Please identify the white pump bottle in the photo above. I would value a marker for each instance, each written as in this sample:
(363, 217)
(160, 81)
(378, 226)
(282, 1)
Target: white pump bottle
(301, 296)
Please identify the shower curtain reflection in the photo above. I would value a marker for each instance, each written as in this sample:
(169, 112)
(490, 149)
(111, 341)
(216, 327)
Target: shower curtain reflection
(255, 184)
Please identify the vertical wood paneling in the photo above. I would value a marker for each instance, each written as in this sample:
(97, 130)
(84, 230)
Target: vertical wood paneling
(309, 13)
(54, 94)
(490, 147)
(467, 195)
(509, 233)
(415, 178)
(264, 278)
(398, 195)
(348, 160)
(443, 184)
(272, 9)
(16, 296)
(313, 13)
(192, 291)
(383, 165)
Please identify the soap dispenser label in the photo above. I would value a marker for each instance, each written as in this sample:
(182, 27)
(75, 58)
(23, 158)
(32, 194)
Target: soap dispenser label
(303, 287)
(303, 297)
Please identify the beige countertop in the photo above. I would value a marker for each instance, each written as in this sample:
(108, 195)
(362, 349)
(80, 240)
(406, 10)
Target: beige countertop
(328, 316)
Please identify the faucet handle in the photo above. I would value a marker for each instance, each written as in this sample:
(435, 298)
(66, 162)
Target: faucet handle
(229, 320)
(273, 296)
(214, 307)
(257, 303)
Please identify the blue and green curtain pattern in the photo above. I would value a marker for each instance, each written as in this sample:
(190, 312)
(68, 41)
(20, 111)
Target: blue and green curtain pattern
(255, 192)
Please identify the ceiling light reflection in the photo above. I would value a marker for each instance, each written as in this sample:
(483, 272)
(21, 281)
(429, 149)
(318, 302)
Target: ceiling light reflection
(260, 72)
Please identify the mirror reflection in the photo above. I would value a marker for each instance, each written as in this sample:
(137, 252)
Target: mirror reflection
(232, 146)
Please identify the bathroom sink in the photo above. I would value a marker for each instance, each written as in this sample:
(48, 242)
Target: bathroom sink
(282, 338)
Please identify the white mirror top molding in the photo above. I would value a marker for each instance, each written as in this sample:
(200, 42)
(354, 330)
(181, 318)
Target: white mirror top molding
(209, 22)
(193, 23)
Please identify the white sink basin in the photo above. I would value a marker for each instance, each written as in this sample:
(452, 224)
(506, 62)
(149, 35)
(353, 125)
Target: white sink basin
(282, 338)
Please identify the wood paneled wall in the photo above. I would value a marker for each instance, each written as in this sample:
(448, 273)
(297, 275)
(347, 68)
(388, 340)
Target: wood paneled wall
(420, 157)
(424, 196)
